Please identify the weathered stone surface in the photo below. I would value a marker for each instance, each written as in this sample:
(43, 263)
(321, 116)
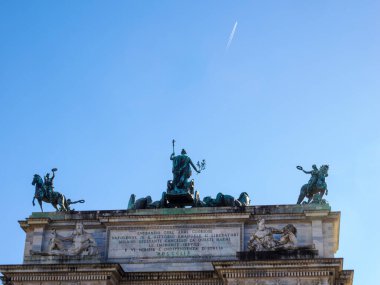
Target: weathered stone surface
(185, 235)
(183, 246)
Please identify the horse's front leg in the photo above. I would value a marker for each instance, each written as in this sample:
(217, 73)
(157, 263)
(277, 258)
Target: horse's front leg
(237, 203)
(34, 198)
(301, 196)
(240, 205)
(55, 206)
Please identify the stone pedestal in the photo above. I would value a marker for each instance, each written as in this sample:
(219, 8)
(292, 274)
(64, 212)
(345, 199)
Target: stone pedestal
(178, 246)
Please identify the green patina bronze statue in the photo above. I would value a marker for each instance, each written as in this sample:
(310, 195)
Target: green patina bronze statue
(180, 191)
(48, 183)
(223, 200)
(181, 170)
(316, 187)
(143, 203)
(44, 192)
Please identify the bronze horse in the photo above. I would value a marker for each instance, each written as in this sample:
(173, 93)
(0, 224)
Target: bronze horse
(56, 199)
(320, 187)
(222, 200)
(143, 203)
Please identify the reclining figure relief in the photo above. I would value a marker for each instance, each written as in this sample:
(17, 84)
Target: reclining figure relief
(79, 243)
(263, 239)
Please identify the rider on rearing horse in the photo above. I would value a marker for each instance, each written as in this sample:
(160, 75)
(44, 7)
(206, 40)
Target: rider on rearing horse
(316, 185)
(314, 177)
(48, 182)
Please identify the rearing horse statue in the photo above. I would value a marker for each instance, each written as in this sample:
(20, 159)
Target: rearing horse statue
(56, 198)
(41, 194)
(316, 185)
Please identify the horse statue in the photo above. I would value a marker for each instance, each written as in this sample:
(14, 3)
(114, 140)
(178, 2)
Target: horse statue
(222, 200)
(55, 198)
(316, 188)
(143, 203)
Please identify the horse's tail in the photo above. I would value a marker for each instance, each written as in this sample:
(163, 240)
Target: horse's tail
(79, 201)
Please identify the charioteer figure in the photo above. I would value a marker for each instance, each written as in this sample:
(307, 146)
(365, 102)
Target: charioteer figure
(182, 165)
(180, 191)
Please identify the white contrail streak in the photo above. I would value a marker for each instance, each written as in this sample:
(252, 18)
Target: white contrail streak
(231, 36)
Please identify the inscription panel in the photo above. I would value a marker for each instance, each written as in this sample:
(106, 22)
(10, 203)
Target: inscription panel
(164, 241)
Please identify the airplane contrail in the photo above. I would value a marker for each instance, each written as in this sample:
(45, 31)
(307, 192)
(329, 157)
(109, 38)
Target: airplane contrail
(231, 36)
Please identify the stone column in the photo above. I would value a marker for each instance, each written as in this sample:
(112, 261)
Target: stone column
(38, 232)
(316, 229)
(317, 235)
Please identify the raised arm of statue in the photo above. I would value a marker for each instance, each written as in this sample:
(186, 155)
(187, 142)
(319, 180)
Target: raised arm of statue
(192, 164)
(304, 171)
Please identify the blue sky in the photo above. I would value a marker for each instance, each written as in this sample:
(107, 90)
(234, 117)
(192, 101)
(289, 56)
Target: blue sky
(99, 89)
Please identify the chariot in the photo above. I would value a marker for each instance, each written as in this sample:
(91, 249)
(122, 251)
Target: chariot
(179, 197)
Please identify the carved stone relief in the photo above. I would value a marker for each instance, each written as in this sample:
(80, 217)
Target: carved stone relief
(263, 238)
(79, 243)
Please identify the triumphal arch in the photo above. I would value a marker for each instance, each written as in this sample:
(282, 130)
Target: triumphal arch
(183, 239)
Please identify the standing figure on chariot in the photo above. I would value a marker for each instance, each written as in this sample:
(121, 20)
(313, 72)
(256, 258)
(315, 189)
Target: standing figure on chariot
(182, 169)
